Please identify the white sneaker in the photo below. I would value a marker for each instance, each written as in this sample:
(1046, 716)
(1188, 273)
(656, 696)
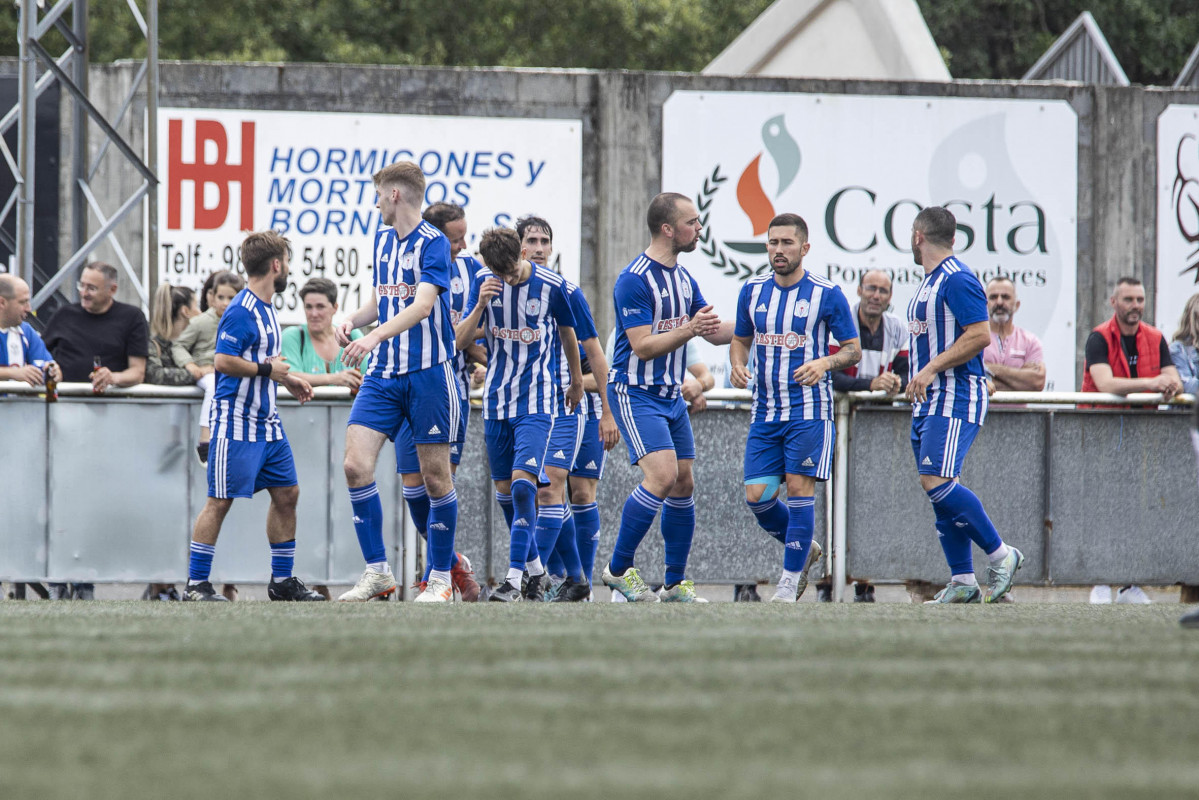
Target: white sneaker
(786, 592)
(436, 591)
(1133, 595)
(1101, 595)
(683, 592)
(371, 585)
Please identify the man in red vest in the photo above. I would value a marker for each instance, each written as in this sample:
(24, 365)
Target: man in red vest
(1124, 355)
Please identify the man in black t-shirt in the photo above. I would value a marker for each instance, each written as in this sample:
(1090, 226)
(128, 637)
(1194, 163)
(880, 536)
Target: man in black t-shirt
(101, 328)
(1141, 362)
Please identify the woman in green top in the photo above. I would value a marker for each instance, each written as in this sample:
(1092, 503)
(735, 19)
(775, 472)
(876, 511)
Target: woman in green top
(311, 350)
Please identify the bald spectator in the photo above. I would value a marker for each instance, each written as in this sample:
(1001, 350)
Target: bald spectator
(23, 355)
(884, 364)
(99, 327)
(1013, 360)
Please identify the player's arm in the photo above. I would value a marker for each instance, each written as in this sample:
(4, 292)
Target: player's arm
(723, 334)
(364, 315)
(647, 346)
(608, 431)
(812, 371)
(1028, 378)
(470, 328)
(570, 343)
(739, 375)
(419, 309)
(974, 339)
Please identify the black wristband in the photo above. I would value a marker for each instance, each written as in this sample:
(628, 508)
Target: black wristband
(264, 369)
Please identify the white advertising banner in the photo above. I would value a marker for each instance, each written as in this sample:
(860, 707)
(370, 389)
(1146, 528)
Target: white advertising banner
(1177, 213)
(858, 169)
(308, 176)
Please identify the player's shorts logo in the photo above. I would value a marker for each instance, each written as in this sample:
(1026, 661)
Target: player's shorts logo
(533, 307)
(917, 327)
(404, 291)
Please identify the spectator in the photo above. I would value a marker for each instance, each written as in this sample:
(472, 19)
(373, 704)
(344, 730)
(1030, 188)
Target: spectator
(884, 367)
(99, 328)
(311, 349)
(1124, 355)
(1183, 352)
(21, 349)
(100, 340)
(195, 348)
(1013, 360)
(1191, 619)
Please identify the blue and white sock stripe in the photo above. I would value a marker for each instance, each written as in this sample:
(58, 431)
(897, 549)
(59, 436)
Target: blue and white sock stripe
(579, 509)
(941, 492)
(503, 499)
(218, 453)
(411, 492)
(642, 496)
(444, 500)
(950, 454)
(204, 549)
(761, 505)
(624, 407)
(552, 512)
(680, 502)
(824, 469)
(522, 480)
(800, 502)
(364, 492)
(284, 548)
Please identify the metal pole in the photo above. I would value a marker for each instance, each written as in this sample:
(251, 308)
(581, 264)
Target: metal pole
(150, 268)
(840, 498)
(79, 67)
(26, 133)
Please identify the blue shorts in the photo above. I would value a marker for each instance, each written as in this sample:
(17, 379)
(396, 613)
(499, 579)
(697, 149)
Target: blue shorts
(239, 469)
(589, 461)
(427, 399)
(940, 444)
(566, 437)
(796, 447)
(650, 423)
(517, 443)
(407, 462)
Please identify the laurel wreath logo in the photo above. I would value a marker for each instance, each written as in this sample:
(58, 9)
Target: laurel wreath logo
(710, 245)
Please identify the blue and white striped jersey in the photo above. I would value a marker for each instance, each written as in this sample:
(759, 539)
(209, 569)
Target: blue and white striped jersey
(949, 299)
(791, 326)
(462, 277)
(423, 256)
(519, 328)
(665, 298)
(243, 409)
(584, 329)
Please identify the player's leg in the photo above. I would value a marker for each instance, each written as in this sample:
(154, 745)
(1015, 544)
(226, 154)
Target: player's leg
(585, 512)
(807, 446)
(530, 434)
(433, 409)
(362, 451)
(500, 441)
(555, 526)
(678, 511)
(278, 476)
(463, 573)
(763, 475)
(232, 471)
(203, 547)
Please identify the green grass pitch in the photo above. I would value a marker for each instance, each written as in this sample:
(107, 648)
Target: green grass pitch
(260, 700)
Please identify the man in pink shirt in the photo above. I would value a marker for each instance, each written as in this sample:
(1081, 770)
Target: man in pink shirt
(1013, 359)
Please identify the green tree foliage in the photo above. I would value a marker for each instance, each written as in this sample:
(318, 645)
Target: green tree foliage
(675, 35)
(1003, 38)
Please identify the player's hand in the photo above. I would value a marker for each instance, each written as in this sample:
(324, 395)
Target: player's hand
(279, 369)
(810, 373)
(478, 376)
(992, 387)
(609, 433)
(490, 288)
(691, 390)
(343, 331)
(29, 374)
(740, 376)
(349, 378)
(101, 379)
(299, 388)
(918, 387)
(698, 405)
(574, 395)
(1167, 385)
(356, 351)
(887, 382)
(704, 323)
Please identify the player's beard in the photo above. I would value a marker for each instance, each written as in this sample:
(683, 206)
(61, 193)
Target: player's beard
(686, 248)
(787, 268)
(280, 283)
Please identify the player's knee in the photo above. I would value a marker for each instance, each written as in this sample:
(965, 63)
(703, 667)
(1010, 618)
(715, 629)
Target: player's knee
(357, 471)
(285, 498)
(684, 485)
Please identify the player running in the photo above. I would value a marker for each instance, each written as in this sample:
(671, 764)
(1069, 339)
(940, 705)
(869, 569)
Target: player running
(789, 318)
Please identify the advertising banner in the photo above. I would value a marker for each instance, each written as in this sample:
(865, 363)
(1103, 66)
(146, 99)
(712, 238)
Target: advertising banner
(308, 176)
(859, 169)
(1177, 214)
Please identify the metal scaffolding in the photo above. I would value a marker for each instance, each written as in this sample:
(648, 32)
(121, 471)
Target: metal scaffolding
(70, 71)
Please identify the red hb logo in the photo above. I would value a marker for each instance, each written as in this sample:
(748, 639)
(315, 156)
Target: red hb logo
(201, 173)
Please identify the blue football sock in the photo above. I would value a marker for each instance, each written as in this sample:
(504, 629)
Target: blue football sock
(505, 501)
(678, 529)
(443, 522)
(554, 565)
(283, 559)
(772, 516)
(954, 541)
(524, 504)
(635, 518)
(418, 507)
(801, 523)
(587, 525)
(549, 528)
(368, 522)
(964, 506)
(199, 562)
(566, 551)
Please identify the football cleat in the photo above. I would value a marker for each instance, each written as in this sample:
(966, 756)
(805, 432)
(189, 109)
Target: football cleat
(630, 586)
(1001, 575)
(371, 585)
(292, 590)
(814, 555)
(463, 577)
(787, 591)
(534, 590)
(505, 593)
(202, 592)
(568, 591)
(437, 591)
(956, 593)
(682, 592)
